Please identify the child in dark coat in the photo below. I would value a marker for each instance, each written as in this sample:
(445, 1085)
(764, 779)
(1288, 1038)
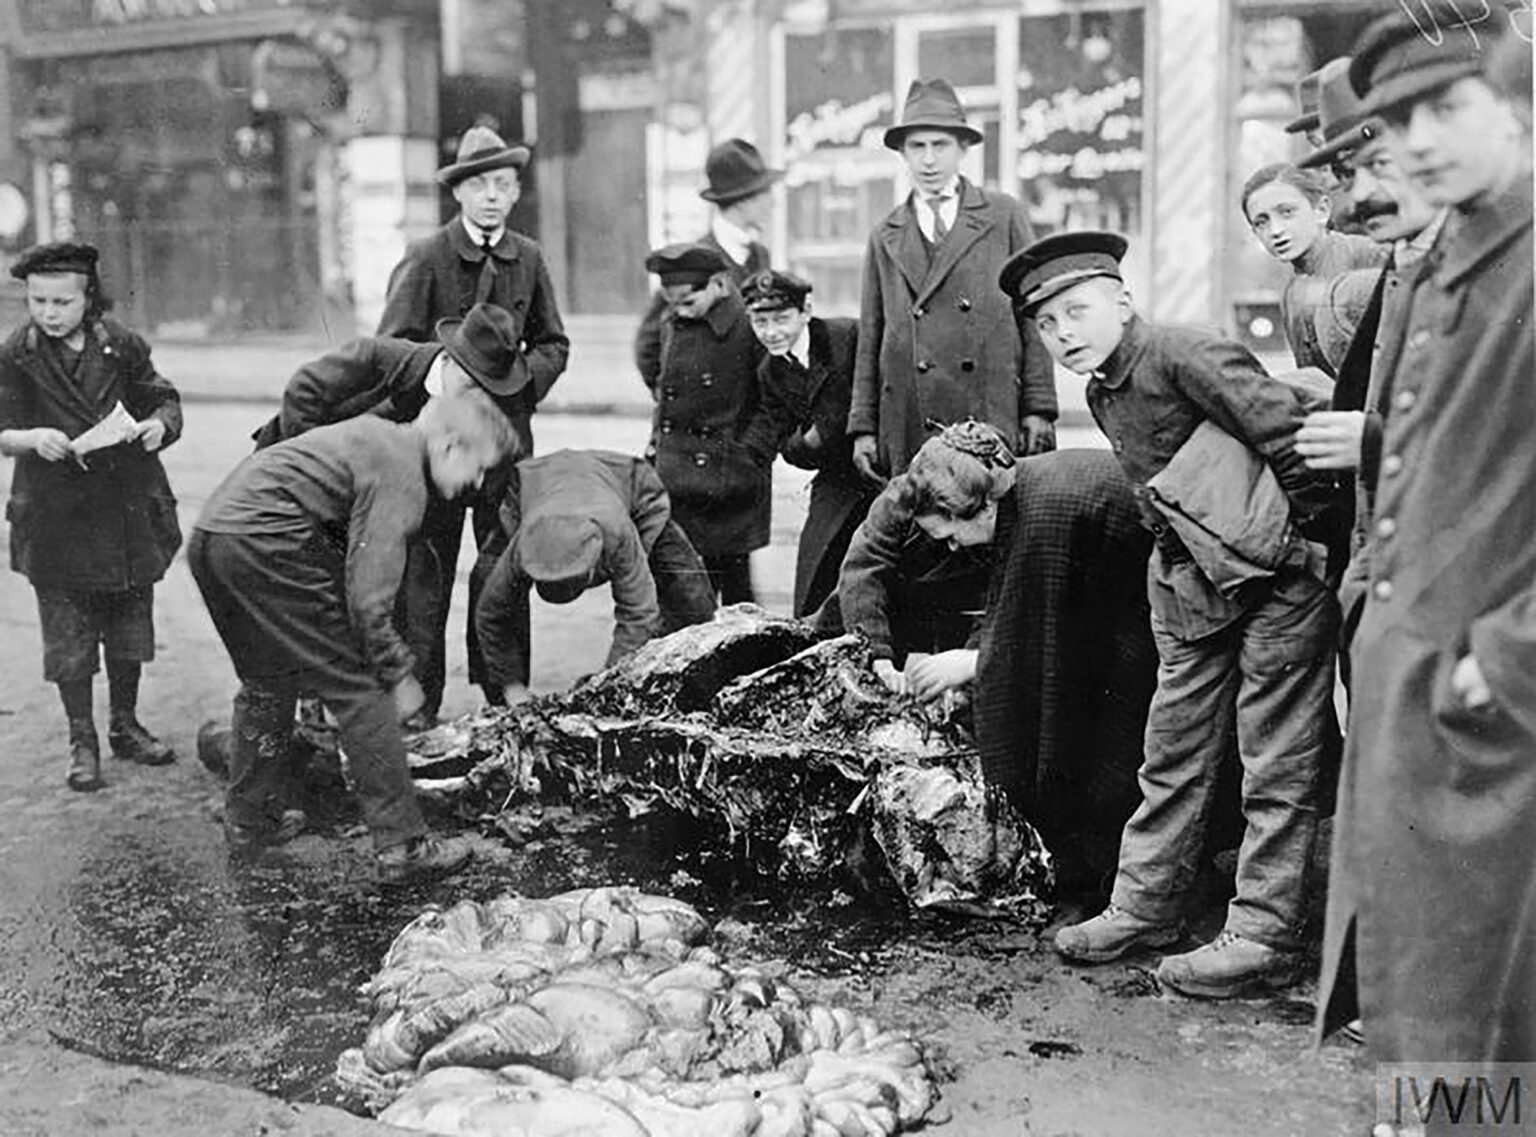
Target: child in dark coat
(92, 532)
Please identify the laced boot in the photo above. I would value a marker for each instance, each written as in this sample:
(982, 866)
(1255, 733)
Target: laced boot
(84, 758)
(132, 743)
(1228, 966)
(422, 859)
(1111, 934)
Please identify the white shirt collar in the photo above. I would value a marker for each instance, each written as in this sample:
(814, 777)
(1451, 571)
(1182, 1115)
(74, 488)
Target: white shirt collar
(477, 235)
(733, 238)
(800, 350)
(949, 206)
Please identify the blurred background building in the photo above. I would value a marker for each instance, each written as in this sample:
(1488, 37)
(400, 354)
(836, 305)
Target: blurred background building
(255, 167)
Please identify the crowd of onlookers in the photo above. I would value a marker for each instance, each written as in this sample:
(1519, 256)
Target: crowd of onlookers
(1149, 638)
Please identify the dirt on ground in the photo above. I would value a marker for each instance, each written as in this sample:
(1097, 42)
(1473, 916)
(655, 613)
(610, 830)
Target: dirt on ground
(149, 985)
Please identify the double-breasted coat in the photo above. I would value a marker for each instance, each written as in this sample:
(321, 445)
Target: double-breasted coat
(818, 395)
(1435, 836)
(648, 338)
(113, 526)
(713, 432)
(938, 339)
(442, 275)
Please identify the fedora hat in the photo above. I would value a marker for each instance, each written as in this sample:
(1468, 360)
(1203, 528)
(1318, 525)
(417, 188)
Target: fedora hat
(484, 343)
(481, 149)
(1306, 94)
(931, 105)
(1343, 118)
(735, 170)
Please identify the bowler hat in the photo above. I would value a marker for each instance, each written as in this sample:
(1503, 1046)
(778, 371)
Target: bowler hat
(56, 256)
(771, 291)
(560, 549)
(485, 344)
(735, 171)
(482, 149)
(1397, 60)
(1345, 123)
(931, 105)
(1056, 263)
(688, 262)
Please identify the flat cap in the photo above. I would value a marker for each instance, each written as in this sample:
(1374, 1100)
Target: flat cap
(688, 262)
(57, 256)
(1054, 264)
(559, 548)
(771, 290)
(1398, 60)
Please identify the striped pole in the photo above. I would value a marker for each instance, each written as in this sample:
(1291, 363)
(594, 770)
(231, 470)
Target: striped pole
(733, 72)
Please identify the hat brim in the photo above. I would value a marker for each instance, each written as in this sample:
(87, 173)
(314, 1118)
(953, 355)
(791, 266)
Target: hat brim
(1409, 85)
(513, 157)
(457, 350)
(1304, 124)
(757, 185)
(1352, 139)
(1056, 287)
(895, 136)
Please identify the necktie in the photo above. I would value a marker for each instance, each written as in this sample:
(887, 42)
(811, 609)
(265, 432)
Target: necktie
(487, 271)
(940, 230)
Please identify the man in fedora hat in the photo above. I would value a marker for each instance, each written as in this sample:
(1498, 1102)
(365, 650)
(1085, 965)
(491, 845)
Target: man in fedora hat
(937, 341)
(477, 259)
(738, 186)
(1430, 931)
(394, 379)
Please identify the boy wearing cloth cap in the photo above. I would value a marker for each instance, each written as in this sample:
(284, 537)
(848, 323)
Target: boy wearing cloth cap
(937, 343)
(475, 259)
(716, 428)
(1258, 657)
(810, 365)
(574, 520)
(1432, 907)
(298, 555)
(92, 536)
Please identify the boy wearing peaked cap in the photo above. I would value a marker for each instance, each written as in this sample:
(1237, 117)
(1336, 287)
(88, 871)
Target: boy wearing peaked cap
(1431, 895)
(809, 364)
(1254, 652)
(937, 343)
(716, 428)
(477, 259)
(92, 536)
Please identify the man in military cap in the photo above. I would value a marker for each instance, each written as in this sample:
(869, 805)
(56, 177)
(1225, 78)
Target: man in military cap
(1255, 656)
(810, 366)
(1431, 902)
(474, 259)
(574, 520)
(716, 429)
(937, 343)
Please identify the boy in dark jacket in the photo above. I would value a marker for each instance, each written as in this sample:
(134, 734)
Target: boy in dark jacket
(298, 555)
(92, 532)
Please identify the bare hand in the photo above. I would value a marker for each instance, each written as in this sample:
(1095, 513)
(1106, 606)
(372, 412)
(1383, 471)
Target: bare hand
(865, 452)
(930, 676)
(409, 697)
(893, 679)
(1330, 440)
(50, 444)
(1469, 685)
(514, 693)
(1039, 435)
(151, 434)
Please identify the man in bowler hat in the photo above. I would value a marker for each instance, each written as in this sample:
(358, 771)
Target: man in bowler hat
(739, 185)
(937, 342)
(477, 259)
(1431, 925)
(1253, 656)
(810, 365)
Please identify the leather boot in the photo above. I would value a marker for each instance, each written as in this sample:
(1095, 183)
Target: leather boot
(84, 758)
(132, 743)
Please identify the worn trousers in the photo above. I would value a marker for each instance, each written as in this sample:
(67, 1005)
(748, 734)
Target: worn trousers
(279, 604)
(1270, 674)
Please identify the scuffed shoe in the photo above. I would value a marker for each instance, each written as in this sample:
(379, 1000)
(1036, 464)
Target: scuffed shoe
(249, 840)
(132, 743)
(422, 859)
(1228, 966)
(84, 774)
(213, 743)
(1111, 934)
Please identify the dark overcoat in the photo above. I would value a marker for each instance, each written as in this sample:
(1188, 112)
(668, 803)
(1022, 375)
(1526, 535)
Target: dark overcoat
(441, 275)
(1435, 838)
(648, 338)
(938, 339)
(111, 527)
(819, 395)
(1067, 666)
(713, 435)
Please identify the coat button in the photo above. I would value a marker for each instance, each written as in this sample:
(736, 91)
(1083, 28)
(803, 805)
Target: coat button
(1404, 400)
(669, 392)
(701, 459)
(1418, 339)
(1392, 465)
(924, 366)
(708, 382)
(963, 304)
(666, 426)
(706, 376)
(650, 450)
(1382, 590)
(1119, 445)
(918, 311)
(1386, 527)
(967, 365)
